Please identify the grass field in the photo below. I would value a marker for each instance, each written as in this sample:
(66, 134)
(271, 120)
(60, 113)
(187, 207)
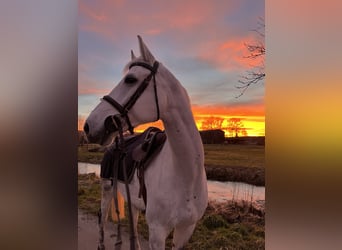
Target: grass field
(223, 162)
(231, 225)
(85, 154)
(234, 155)
(215, 155)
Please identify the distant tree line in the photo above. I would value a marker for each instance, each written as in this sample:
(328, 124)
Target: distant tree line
(234, 126)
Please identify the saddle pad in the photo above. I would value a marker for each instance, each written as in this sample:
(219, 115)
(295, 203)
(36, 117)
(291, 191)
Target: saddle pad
(150, 141)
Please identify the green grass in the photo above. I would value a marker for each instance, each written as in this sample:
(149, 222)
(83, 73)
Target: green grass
(229, 226)
(89, 193)
(225, 155)
(234, 155)
(84, 155)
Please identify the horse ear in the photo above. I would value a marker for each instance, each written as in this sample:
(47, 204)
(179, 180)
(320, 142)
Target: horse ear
(132, 55)
(145, 52)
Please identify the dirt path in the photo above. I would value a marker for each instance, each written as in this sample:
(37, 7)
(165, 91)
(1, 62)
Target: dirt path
(88, 234)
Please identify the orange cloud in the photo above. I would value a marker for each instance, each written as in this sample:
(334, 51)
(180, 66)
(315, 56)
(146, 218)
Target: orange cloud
(106, 17)
(186, 15)
(177, 18)
(93, 14)
(229, 53)
(153, 31)
(97, 19)
(88, 86)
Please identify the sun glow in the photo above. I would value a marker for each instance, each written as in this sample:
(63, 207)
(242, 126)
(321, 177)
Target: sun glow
(248, 125)
(246, 121)
(205, 119)
(245, 125)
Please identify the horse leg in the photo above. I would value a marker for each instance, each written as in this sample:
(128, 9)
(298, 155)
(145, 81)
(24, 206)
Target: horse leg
(135, 213)
(157, 236)
(106, 196)
(181, 236)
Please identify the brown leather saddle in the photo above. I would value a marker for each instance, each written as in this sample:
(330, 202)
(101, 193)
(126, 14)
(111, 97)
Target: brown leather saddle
(139, 151)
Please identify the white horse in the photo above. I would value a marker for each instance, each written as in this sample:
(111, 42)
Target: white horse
(175, 180)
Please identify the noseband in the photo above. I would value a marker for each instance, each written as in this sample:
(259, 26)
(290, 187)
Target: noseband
(130, 103)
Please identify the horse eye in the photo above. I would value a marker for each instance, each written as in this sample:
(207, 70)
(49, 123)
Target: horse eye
(130, 79)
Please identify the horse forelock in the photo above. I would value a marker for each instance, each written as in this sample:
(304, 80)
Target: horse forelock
(126, 68)
(173, 83)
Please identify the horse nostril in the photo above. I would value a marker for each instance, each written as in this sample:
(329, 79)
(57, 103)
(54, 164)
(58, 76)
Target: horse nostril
(109, 124)
(86, 128)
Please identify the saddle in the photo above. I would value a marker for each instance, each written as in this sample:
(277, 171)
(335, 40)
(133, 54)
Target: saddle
(139, 151)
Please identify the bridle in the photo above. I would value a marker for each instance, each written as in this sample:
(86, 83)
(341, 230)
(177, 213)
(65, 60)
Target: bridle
(124, 109)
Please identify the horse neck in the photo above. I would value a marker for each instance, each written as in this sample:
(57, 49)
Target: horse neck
(182, 133)
(181, 130)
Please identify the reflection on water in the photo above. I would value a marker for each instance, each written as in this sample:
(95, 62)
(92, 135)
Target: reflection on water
(225, 191)
(217, 190)
(87, 168)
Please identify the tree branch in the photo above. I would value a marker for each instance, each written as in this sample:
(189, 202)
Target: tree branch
(255, 50)
(249, 79)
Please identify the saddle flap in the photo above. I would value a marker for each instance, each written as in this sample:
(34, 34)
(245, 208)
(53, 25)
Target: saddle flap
(139, 150)
(138, 154)
(153, 141)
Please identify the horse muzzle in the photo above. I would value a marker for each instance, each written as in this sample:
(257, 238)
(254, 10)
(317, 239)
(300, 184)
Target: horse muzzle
(103, 134)
(92, 138)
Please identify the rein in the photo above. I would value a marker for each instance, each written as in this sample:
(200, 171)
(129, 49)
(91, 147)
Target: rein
(122, 148)
(123, 110)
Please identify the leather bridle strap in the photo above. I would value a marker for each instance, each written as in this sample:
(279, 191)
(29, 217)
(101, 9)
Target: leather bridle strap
(130, 103)
(122, 148)
(153, 68)
(115, 104)
(144, 84)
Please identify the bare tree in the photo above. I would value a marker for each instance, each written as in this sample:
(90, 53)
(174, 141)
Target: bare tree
(235, 127)
(212, 122)
(256, 51)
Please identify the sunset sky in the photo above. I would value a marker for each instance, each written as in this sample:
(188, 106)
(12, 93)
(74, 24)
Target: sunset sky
(200, 42)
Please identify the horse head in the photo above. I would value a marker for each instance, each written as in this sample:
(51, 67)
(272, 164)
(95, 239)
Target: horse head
(135, 100)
